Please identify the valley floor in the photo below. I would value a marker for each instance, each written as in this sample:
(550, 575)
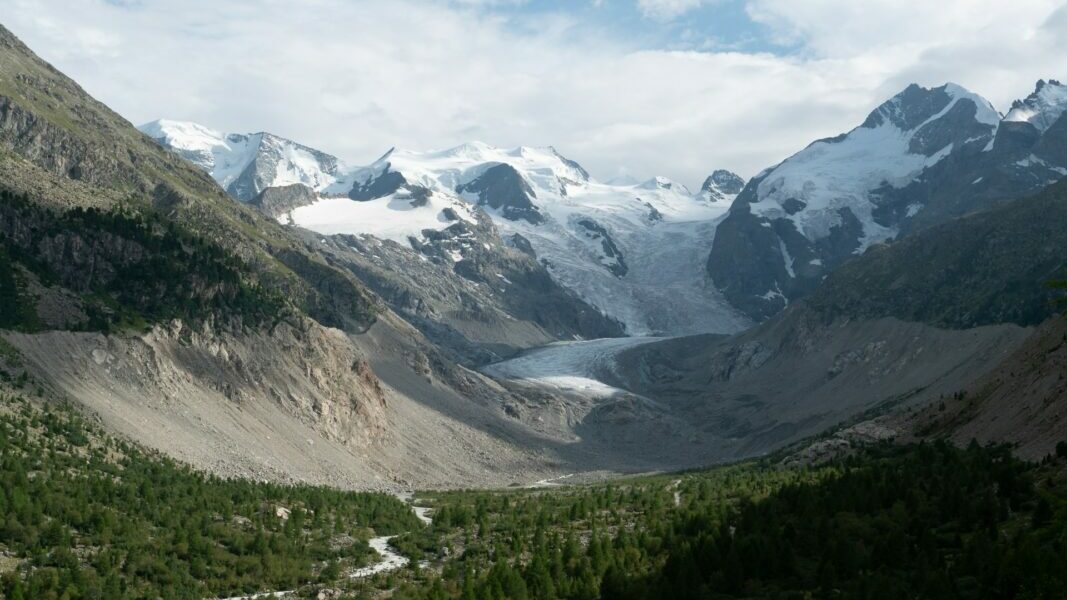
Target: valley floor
(886, 522)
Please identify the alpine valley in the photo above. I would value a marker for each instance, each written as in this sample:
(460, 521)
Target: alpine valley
(232, 363)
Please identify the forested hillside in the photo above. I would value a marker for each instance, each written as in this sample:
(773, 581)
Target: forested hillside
(925, 521)
(84, 515)
(123, 266)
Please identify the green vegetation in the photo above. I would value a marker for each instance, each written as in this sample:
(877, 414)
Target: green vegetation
(87, 516)
(15, 309)
(987, 268)
(927, 521)
(129, 268)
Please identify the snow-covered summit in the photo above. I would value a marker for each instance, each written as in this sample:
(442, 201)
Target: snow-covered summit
(1041, 108)
(908, 133)
(245, 164)
(192, 140)
(796, 221)
(722, 186)
(662, 183)
(459, 165)
(635, 251)
(916, 106)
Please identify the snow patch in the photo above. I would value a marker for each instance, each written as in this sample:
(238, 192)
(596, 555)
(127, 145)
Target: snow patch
(786, 258)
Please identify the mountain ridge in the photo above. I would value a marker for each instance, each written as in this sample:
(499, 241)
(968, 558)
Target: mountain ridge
(922, 157)
(596, 240)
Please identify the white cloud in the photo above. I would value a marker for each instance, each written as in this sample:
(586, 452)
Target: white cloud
(995, 48)
(355, 78)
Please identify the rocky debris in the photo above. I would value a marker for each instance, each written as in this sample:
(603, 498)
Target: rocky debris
(843, 442)
(312, 373)
(797, 375)
(746, 356)
(1023, 401)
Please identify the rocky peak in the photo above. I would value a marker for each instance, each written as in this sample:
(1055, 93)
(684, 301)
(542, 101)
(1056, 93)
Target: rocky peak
(799, 220)
(721, 184)
(916, 107)
(1042, 108)
(245, 164)
(583, 174)
(502, 188)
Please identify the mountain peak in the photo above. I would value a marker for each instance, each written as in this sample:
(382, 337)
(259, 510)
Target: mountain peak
(724, 181)
(915, 106)
(663, 183)
(244, 164)
(183, 135)
(1043, 107)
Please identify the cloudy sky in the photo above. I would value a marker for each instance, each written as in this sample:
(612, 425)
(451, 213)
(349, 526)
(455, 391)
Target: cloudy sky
(625, 87)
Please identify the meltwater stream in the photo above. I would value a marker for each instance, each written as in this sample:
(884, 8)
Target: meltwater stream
(389, 559)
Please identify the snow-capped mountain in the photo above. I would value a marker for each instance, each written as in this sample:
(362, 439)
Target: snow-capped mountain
(922, 157)
(1042, 108)
(722, 186)
(245, 164)
(634, 251)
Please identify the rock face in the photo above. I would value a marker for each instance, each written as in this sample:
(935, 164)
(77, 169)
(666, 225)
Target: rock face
(388, 182)
(722, 186)
(277, 201)
(610, 255)
(501, 187)
(923, 157)
(64, 148)
(468, 291)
